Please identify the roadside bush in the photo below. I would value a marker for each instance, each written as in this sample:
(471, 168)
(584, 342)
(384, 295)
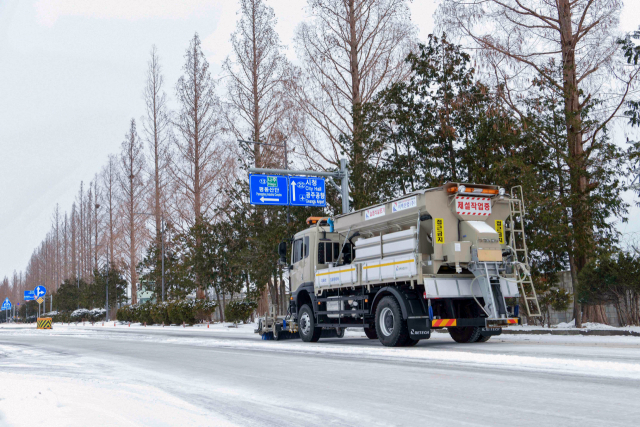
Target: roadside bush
(143, 313)
(176, 312)
(93, 315)
(125, 314)
(203, 309)
(181, 311)
(239, 311)
(160, 313)
(59, 316)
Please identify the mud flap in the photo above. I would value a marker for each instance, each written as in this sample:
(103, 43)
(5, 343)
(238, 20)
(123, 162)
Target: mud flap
(419, 327)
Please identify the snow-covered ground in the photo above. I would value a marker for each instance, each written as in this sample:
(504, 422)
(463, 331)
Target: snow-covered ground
(217, 375)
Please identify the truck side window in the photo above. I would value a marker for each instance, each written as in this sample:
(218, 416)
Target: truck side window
(321, 259)
(329, 250)
(306, 246)
(297, 250)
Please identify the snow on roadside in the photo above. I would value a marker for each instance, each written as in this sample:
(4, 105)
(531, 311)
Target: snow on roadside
(54, 392)
(588, 326)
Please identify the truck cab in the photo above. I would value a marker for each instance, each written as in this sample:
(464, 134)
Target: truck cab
(314, 248)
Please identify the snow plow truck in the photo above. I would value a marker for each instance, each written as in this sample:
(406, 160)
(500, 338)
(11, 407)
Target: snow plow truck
(451, 257)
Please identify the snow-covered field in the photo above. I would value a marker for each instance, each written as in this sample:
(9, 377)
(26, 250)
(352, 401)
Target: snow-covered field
(217, 375)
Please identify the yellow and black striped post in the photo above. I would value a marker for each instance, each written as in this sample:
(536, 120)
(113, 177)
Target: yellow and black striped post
(44, 323)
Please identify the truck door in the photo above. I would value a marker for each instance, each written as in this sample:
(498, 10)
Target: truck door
(299, 256)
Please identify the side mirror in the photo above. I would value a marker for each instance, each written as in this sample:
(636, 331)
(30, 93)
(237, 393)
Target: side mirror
(282, 252)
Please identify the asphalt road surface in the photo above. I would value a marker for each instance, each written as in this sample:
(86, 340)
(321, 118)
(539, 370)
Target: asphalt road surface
(237, 379)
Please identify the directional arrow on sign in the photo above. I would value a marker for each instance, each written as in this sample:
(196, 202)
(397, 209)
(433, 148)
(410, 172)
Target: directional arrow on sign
(265, 199)
(293, 190)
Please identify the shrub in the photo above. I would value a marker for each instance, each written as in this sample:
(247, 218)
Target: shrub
(239, 311)
(125, 314)
(188, 311)
(160, 313)
(143, 313)
(92, 315)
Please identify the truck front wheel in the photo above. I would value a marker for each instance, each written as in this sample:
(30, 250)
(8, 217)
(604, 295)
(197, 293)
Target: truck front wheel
(307, 325)
(390, 326)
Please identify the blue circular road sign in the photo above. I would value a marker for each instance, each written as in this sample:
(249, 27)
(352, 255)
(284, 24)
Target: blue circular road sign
(39, 291)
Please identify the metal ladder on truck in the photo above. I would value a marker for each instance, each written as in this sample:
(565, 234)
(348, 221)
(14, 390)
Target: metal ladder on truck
(518, 242)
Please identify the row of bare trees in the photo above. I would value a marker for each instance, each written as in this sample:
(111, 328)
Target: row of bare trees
(168, 171)
(171, 168)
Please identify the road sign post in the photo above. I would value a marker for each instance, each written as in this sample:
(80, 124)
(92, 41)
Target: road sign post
(6, 306)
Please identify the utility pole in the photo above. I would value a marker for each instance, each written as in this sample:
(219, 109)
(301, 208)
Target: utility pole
(162, 226)
(106, 315)
(78, 269)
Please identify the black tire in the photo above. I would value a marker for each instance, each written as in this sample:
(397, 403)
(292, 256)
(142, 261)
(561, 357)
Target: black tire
(307, 325)
(340, 332)
(410, 342)
(371, 333)
(466, 334)
(390, 326)
(483, 338)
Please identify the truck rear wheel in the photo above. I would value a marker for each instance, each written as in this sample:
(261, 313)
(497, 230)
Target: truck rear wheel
(307, 325)
(390, 326)
(371, 333)
(466, 334)
(484, 338)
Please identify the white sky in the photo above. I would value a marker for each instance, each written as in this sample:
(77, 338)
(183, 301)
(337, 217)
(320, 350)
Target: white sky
(71, 78)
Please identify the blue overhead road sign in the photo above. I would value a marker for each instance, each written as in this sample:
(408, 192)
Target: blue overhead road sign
(307, 191)
(39, 291)
(6, 305)
(29, 296)
(268, 190)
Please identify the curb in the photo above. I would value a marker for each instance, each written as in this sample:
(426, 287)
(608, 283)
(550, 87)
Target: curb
(586, 332)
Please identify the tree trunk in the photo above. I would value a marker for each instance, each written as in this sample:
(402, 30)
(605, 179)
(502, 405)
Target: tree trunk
(595, 313)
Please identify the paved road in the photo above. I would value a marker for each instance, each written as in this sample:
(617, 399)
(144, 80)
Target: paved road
(249, 382)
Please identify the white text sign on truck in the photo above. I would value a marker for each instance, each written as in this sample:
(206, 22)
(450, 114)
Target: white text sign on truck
(468, 205)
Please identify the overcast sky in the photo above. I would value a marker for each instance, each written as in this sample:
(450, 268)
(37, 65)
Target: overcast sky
(71, 78)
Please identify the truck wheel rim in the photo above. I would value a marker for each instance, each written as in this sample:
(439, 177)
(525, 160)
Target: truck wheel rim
(386, 321)
(305, 323)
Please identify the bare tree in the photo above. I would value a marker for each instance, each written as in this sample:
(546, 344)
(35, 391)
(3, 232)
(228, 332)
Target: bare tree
(109, 178)
(201, 157)
(257, 71)
(350, 51)
(132, 190)
(571, 46)
(157, 133)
